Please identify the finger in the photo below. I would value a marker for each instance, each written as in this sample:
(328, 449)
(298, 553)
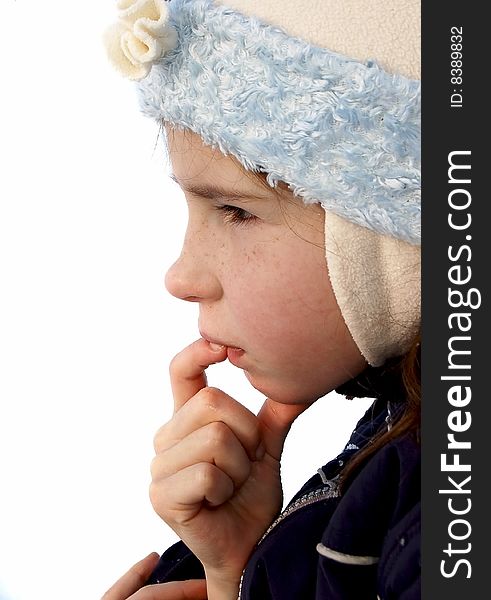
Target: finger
(214, 443)
(133, 579)
(187, 369)
(180, 497)
(192, 589)
(206, 406)
(275, 420)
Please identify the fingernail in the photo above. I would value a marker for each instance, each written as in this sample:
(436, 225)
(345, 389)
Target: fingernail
(260, 452)
(154, 555)
(216, 347)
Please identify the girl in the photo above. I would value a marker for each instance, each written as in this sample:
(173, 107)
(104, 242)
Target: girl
(293, 130)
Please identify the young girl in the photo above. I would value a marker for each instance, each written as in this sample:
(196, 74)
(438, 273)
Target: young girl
(294, 131)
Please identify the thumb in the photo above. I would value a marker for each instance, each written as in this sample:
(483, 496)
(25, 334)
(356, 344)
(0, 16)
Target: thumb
(275, 420)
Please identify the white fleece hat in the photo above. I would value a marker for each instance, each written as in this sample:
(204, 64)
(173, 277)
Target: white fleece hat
(321, 94)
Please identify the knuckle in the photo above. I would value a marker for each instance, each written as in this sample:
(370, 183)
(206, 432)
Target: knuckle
(206, 476)
(214, 391)
(175, 363)
(156, 498)
(218, 434)
(156, 441)
(160, 438)
(156, 470)
(152, 493)
(210, 398)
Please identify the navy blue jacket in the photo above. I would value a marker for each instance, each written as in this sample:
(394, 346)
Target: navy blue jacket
(359, 544)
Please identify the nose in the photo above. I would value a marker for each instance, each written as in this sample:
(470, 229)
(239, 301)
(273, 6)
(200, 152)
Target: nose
(191, 279)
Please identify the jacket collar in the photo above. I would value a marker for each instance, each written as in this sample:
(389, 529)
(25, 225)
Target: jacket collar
(376, 382)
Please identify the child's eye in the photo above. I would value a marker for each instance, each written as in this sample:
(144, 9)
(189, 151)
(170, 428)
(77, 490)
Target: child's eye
(236, 215)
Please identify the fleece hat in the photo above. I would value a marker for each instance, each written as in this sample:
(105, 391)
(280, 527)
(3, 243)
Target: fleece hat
(322, 95)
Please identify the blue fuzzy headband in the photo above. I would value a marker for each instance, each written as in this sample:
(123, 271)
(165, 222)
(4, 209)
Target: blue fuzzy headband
(339, 132)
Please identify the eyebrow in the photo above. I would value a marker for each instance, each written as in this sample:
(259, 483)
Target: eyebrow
(215, 192)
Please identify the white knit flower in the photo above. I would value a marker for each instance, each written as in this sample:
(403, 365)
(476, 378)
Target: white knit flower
(140, 38)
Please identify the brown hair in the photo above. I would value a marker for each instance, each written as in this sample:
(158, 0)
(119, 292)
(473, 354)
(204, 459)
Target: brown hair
(408, 422)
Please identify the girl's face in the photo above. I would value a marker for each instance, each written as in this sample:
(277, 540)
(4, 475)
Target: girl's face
(256, 266)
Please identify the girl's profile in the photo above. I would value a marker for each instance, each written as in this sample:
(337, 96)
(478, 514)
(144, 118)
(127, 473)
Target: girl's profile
(293, 129)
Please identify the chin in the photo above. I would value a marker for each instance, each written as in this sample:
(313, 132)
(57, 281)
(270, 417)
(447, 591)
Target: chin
(278, 392)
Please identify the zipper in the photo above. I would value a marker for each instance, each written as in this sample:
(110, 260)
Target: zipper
(330, 490)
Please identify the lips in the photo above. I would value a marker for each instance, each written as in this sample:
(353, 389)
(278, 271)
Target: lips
(234, 353)
(214, 340)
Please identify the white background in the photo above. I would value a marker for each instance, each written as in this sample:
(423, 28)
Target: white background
(88, 225)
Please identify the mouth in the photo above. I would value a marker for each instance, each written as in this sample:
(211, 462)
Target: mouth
(234, 356)
(234, 353)
(214, 340)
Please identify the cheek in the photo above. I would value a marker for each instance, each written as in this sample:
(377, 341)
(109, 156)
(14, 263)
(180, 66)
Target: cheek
(281, 299)
(286, 316)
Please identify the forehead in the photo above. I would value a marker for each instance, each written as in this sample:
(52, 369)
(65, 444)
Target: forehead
(194, 161)
(196, 166)
(208, 174)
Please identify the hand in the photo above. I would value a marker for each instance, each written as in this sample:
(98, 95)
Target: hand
(216, 474)
(133, 580)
